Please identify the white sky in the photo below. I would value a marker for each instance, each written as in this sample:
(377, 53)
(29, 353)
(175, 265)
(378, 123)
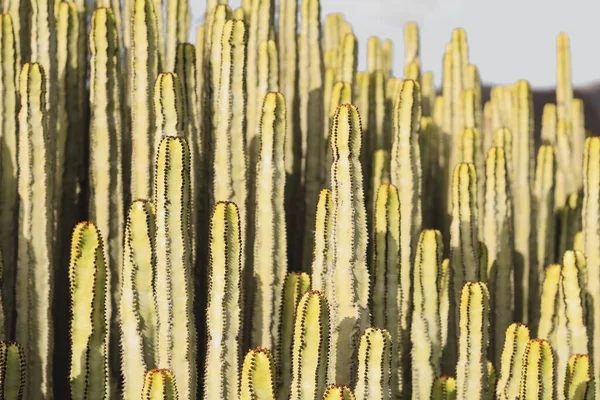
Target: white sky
(508, 39)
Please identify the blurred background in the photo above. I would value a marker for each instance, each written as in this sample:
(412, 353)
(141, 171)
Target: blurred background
(508, 40)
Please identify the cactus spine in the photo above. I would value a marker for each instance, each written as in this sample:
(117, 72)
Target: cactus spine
(425, 328)
(174, 295)
(89, 280)
(591, 239)
(143, 67)
(374, 365)
(159, 384)
(338, 392)
(224, 311)
(348, 283)
(35, 248)
(323, 245)
(258, 376)
(537, 376)
(472, 370)
(295, 286)
(270, 258)
(517, 338)
(137, 315)
(310, 347)
(12, 371)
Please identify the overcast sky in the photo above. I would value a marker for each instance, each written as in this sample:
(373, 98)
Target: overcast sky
(508, 39)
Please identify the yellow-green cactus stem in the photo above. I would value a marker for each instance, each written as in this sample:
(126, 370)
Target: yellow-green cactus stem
(428, 93)
(12, 371)
(578, 383)
(377, 110)
(565, 175)
(544, 227)
(392, 87)
(578, 241)
(137, 314)
(569, 222)
(270, 247)
(362, 99)
(106, 199)
(498, 238)
(492, 380)
(338, 392)
(35, 278)
(412, 71)
(517, 338)
(474, 83)
(488, 130)
(310, 347)
(411, 43)
(89, 283)
(548, 301)
(591, 238)
(228, 145)
(374, 365)
(8, 171)
(258, 376)
(405, 170)
(224, 310)
(447, 318)
(169, 106)
(444, 388)
(323, 245)
(144, 66)
(538, 381)
(386, 267)
(373, 54)
(523, 171)
(578, 138)
(348, 59)
(348, 281)
(426, 352)
(470, 150)
(503, 137)
(564, 89)
(201, 67)
(178, 23)
(240, 14)
(380, 175)
(459, 55)
(340, 94)
(549, 124)
(174, 290)
(159, 384)
(472, 370)
(295, 286)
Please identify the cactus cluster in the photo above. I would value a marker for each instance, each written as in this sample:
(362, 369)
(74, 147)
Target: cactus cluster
(252, 217)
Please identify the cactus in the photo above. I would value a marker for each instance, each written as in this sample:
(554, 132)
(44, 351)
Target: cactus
(564, 90)
(270, 257)
(89, 283)
(295, 286)
(405, 169)
(338, 392)
(430, 163)
(569, 222)
(323, 245)
(517, 338)
(168, 106)
(591, 240)
(258, 376)
(178, 24)
(492, 381)
(143, 66)
(549, 124)
(537, 376)
(310, 347)
(374, 365)
(377, 110)
(159, 384)
(8, 139)
(176, 345)
(579, 385)
(137, 315)
(472, 370)
(12, 371)
(373, 54)
(348, 59)
(444, 388)
(348, 283)
(341, 93)
(35, 251)
(447, 318)
(224, 310)
(425, 327)
(380, 175)
(411, 43)
(498, 237)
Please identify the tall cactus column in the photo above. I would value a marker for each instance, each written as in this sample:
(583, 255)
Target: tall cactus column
(35, 248)
(348, 282)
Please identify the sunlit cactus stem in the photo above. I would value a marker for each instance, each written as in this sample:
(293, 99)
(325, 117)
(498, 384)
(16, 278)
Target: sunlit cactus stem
(538, 381)
(178, 22)
(35, 253)
(12, 370)
(374, 366)
(89, 280)
(323, 245)
(425, 332)
(444, 388)
(137, 312)
(159, 384)
(472, 370)
(348, 282)
(224, 311)
(341, 93)
(338, 392)
(579, 385)
(517, 338)
(258, 376)
(310, 347)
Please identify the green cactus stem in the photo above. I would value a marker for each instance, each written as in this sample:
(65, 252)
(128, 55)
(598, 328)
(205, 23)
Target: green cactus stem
(341, 93)
(338, 392)
(89, 282)
(258, 376)
(374, 365)
(224, 310)
(579, 385)
(564, 89)
(178, 25)
(380, 175)
(569, 222)
(517, 338)
(159, 384)
(537, 376)
(444, 388)
(549, 124)
(12, 370)
(323, 245)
